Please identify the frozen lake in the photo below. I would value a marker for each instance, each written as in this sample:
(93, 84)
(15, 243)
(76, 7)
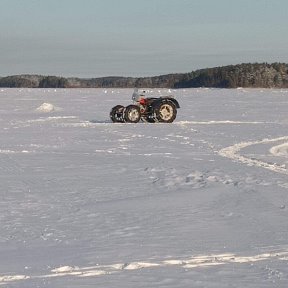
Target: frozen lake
(201, 202)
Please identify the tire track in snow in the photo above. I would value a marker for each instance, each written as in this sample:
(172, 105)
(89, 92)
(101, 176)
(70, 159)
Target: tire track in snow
(193, 262)
(232, 152)
(216, 122)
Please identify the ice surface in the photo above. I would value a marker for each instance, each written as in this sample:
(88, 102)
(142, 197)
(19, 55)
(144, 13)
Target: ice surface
(201, 202)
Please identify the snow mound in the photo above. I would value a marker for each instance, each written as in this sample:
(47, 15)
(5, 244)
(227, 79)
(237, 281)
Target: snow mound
(280, 150)
(140, 265)
(64, 269)
(47, 108)
(4, 279)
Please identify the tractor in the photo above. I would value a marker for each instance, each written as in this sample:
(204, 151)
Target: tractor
(147, 109)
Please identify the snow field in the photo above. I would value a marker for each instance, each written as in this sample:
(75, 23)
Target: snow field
(201, 202)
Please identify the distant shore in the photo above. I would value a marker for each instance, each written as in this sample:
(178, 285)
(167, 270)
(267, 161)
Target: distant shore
(253, 75)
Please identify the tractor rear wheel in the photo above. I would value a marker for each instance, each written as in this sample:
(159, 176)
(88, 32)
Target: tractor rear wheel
(165, 112)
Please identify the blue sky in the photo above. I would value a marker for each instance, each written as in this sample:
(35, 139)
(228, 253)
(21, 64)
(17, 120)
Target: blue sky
(94, 38)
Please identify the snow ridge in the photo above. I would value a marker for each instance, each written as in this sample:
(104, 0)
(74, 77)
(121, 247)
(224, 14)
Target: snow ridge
(232, 152)
(193, 262)
(280, 150)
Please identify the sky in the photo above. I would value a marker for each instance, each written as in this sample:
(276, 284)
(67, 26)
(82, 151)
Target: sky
(96, 38)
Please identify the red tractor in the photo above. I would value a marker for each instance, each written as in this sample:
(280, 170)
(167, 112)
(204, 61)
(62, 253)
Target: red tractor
(147, 109)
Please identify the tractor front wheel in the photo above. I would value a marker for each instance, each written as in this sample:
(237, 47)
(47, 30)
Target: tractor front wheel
(116, 114)
(132, 114)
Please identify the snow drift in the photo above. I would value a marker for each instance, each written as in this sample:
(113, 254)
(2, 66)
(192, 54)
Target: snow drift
(47, 108)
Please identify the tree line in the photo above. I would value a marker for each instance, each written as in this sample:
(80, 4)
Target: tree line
(254, 75)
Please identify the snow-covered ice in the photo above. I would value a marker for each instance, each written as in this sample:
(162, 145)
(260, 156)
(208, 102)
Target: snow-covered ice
(201, 202)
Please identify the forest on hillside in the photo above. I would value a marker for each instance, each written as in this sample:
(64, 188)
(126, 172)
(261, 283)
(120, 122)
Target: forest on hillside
(254, 75)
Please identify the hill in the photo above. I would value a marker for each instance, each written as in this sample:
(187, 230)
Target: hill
(253, 75)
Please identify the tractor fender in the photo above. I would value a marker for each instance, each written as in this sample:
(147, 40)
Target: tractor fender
(167, 100)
